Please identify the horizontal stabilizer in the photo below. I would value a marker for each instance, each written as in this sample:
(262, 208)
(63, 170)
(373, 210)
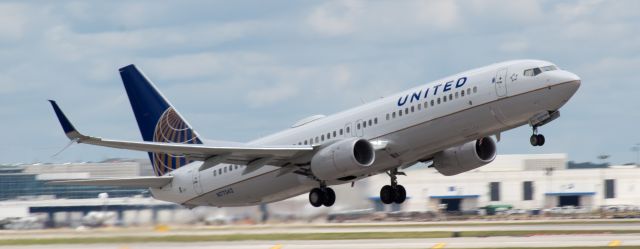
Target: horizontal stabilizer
(143, 182)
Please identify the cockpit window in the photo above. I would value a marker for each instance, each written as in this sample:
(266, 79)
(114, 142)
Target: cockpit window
(548, 68)
(539, 70)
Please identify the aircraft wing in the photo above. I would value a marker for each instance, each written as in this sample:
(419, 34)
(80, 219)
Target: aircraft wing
(144, 182)
(234, 153)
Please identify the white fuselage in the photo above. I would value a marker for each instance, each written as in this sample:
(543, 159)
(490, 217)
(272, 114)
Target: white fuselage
(466, 106)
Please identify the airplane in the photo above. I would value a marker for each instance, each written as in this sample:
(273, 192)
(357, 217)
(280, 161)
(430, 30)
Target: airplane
(449, 123)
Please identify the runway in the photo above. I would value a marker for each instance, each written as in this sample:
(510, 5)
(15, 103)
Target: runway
(490, 242)
(280, 236)
(327, 228)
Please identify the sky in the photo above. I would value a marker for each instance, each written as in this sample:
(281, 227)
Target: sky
(239, 70)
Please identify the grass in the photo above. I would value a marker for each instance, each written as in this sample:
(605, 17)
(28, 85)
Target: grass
(285, 237)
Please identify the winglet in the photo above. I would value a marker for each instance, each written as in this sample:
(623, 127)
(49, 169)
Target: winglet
(68, 128)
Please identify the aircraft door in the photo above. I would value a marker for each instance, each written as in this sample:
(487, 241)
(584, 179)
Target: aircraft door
(197, 185)
(501, 82)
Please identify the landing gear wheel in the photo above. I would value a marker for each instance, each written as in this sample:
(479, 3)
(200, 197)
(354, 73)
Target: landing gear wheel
(540, 139)
(316, 197)
(537, 140)
(329, 197)
(387, 194)
(400, 194)
(534, 140)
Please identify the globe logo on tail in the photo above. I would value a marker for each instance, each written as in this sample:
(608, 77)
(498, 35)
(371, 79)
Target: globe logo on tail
(170, 128)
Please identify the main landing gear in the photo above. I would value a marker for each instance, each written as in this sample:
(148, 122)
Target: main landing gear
(536, 139)
(393, 193)
(322, 196)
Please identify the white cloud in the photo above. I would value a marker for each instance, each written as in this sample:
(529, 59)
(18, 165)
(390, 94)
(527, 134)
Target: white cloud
(336, 17)
(443, 14)
(517, 46)
(270, 95)
(13, 21)
(522, 11)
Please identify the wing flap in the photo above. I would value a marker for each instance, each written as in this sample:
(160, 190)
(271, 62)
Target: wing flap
(145, 182)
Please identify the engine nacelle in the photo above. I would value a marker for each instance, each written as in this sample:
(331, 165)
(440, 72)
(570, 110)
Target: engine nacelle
(465, 157)
(343, 158)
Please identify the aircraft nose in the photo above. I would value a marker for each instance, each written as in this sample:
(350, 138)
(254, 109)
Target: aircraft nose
(570, 78)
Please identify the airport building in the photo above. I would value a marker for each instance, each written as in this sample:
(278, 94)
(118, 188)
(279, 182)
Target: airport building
(27, 182)
(525, 182)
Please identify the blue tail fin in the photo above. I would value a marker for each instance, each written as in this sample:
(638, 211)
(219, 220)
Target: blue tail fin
(157, 119)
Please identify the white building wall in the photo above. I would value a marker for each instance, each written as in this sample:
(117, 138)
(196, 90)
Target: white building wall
(422, 184)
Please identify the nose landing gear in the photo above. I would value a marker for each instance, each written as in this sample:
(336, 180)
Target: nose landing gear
(393, 193)
(536, 139)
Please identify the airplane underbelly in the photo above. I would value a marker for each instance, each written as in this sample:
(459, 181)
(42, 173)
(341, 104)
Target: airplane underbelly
(264, 188)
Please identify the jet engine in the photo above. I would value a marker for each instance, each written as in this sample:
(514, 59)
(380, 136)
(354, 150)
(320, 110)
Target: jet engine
(342, 158)
(465, 157)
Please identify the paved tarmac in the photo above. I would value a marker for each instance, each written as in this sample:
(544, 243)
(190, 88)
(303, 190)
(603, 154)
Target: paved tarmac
(391, 227)
(466, 242)
(533, 241)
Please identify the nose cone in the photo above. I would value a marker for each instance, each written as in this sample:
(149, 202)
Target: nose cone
(566, 77)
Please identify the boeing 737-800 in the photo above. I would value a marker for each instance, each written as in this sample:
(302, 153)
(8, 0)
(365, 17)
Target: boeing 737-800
(449, 122)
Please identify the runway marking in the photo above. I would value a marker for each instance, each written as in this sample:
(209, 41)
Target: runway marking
(439, 246)
(276, 247)
(614, 243)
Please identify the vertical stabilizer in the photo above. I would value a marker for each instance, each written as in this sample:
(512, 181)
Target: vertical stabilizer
(157, 119)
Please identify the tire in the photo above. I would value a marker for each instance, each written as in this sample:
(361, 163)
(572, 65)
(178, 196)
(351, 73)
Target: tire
(316, 197)
(534, 140)
(387, 194)
(329, 197)
(400, 194)
(540, 139)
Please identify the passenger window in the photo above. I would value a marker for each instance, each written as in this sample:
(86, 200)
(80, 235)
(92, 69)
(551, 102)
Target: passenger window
(444, 99)
(305, 142)
(364, 124)
(475, 89)
(426, 104)
(393, 115)
(462, 93)
(468, 91)
(387, 116)
(215, 173)
(375, 121)
(237, 166)
(225, 169)
(400, 113)
(358, 126)
(419, 107)
(370, 122)
(334, 134)
(438, 101)
(348, 129)
(456, 95)
(450, 96)
(310, 141)
(329, 135)
(340, 132)
(322, 138)
(406, 111)
(317, 139)
(432, 103)
(412, 109)
(220, 171)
